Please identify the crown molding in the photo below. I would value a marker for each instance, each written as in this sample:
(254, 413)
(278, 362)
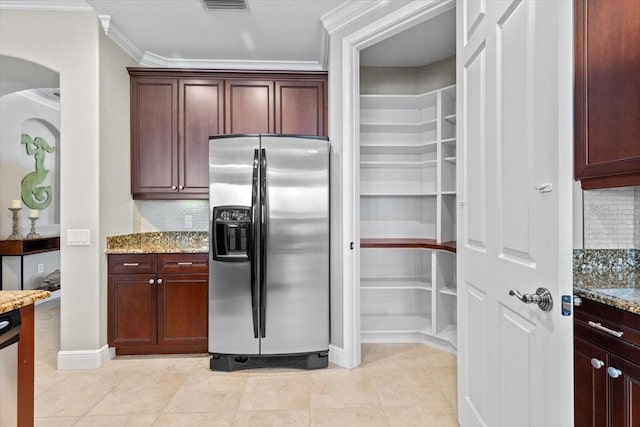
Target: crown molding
(152, 60)
(324, 49)
(348, 12)
(67, 5)
(120, 38)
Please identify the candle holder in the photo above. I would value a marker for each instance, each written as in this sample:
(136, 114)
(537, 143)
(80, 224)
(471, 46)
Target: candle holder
(32, 234)
(15, 233)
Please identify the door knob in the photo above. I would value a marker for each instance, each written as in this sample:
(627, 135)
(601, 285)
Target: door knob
(542, 297)
(597, 363)
(613, 372)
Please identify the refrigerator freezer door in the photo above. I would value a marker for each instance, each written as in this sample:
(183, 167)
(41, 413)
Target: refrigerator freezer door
(297, 241)
(231, 320)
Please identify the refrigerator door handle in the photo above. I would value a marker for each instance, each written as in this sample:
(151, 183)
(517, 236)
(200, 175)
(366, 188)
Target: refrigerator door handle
(253, 247)
(264, 215)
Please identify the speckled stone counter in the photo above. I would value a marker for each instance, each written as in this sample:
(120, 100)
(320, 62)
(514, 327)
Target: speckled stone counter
(11, 300)
(159, 242)
(610, 277)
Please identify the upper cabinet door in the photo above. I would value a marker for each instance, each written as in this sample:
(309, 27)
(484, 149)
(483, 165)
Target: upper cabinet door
(201, 115)
(249, 106)
(154, 133)
(300, 107)
(607, 87)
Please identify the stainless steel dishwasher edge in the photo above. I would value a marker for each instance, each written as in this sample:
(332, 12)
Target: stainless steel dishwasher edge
(9, 337)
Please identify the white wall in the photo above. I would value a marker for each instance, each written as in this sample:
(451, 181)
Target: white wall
(116, 203)
(408, 80)
(67, 42)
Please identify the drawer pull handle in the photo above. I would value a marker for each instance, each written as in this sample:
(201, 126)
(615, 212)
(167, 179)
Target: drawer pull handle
(131, 264)
(597, 363)
(185, 264)
(613, 372)
(599, 327)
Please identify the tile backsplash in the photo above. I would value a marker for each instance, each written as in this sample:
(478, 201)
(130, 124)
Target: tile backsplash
(169, 215)
(612, 218)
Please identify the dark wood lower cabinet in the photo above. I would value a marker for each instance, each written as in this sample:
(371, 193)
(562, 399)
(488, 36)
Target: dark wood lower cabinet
(625, 393)
(590, 400)
(606, 366)
(162, 311)
(182, 310)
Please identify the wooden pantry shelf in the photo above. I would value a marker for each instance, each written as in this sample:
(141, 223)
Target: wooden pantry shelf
(408, 243)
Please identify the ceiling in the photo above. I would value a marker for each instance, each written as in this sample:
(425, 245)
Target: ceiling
(270, 31)
(420, 45)
(271, 34)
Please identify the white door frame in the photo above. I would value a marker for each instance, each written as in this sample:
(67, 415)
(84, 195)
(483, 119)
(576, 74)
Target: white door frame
(406, 17)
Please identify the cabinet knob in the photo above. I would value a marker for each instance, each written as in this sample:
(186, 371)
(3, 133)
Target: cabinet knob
(597, 363)
(181, 187)
(173, 187)
(159, 281)
(613, 372)
(151, 281)
(577, 301)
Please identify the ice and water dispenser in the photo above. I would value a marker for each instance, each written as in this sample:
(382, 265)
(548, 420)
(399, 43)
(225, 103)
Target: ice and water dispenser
(231, 233)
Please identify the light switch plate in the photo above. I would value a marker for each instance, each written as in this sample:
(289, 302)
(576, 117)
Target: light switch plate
(78, 237)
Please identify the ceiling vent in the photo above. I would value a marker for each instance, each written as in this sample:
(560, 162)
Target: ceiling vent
(224, 4)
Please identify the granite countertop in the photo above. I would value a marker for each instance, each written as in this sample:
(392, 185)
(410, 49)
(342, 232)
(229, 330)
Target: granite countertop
(610, 277)
(159, 242)
(11, 300)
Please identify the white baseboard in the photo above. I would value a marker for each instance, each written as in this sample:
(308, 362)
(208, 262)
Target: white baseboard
(337, 357)
(85, 359)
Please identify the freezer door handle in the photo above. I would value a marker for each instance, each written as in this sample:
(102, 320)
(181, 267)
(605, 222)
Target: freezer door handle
(264, 215)
(252, 242)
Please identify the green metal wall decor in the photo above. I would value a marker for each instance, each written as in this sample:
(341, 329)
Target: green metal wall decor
(33, 196)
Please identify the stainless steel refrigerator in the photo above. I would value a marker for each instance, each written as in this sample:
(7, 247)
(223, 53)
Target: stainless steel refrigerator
(269, 238)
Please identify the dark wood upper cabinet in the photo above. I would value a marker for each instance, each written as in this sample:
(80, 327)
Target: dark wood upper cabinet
(154, 132)
(300, 107)
(249, 105)
(174, 112)
(200, 115)
(607, 93)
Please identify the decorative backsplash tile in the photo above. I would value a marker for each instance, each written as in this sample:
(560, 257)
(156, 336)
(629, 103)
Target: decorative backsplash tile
(612, 218)
(169, 215)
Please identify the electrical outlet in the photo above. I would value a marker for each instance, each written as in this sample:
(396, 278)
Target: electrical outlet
(40, 268)
(188, 221)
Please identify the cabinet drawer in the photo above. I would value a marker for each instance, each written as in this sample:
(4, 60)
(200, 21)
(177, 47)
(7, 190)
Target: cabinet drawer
(183, 263)
(601, 324)
(132, 263)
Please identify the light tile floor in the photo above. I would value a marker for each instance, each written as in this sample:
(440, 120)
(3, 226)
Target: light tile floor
(396, 385)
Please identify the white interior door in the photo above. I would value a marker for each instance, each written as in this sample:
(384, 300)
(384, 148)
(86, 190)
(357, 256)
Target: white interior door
(514, 127)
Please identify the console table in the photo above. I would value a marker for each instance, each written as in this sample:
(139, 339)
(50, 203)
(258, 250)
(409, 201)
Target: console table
(21, 248)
